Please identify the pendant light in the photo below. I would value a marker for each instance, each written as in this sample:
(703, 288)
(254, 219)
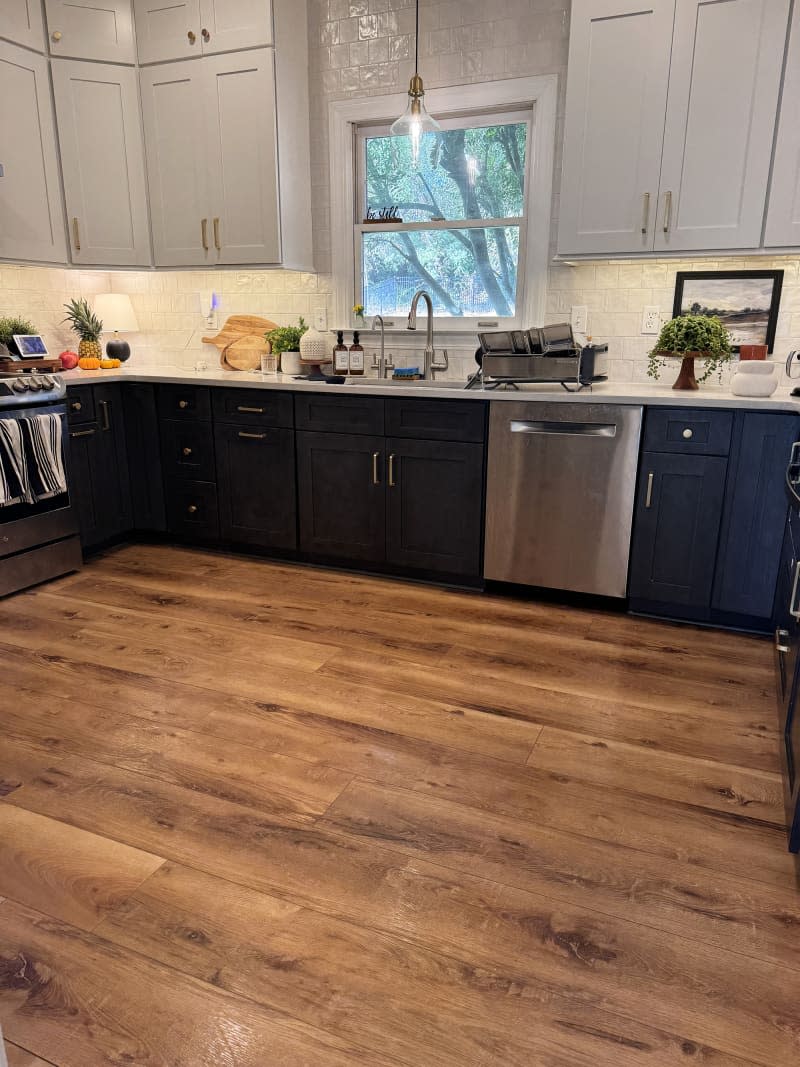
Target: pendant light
(415, 120)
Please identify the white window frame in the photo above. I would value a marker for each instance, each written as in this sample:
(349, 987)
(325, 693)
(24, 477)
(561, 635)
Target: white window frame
(517, 94)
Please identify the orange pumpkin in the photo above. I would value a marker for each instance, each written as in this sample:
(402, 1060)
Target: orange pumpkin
(110, 364)
(89, 363)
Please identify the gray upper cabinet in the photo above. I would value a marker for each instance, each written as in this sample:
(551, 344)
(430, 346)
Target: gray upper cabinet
(783, 214)
(616, 102)
(22, 23)
(242, 157)
(230, 24)
(670, 118)
(724, 87)
(181, 29)
(177, 166)
(212, 160)
(86, 29)
(30, 196)
(98, 104)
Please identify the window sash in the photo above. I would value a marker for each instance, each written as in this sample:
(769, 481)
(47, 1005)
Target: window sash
(465, 323)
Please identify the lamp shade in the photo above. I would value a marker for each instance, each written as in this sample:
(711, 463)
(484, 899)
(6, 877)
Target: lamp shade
(115, 310)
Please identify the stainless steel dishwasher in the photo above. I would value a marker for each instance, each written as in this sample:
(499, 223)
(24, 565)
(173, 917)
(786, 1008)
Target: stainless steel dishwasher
(560, 494)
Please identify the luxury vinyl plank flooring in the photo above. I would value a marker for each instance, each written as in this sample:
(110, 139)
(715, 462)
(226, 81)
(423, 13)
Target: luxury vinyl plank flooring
(258, 814)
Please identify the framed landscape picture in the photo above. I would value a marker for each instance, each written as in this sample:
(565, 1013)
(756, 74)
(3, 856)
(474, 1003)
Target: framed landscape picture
(746, 301)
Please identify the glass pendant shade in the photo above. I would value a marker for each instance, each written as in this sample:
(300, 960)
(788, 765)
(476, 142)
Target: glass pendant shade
(415, 120)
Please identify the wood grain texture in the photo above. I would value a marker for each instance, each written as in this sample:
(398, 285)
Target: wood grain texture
(20, 1057)
(399, 825)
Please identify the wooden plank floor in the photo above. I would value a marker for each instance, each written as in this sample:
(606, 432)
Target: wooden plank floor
(255, 815)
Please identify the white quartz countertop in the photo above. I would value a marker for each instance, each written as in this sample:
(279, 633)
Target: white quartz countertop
(708, 396)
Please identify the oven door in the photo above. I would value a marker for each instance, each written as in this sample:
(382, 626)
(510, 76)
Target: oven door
(26, 526)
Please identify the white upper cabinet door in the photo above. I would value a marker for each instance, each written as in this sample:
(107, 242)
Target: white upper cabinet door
(167, 29)
(230, 24)
(723, 99)
(177, 163)
(616, 102)
(91, 29)
(242, 157)
(783, 213)
(102, 163)
(31, 212)
(22, 23)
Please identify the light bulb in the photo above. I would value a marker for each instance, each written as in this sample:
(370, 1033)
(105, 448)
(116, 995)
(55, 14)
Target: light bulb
(415, 120)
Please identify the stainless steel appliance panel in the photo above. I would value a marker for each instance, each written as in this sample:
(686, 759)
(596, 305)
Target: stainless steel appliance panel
(560, 494)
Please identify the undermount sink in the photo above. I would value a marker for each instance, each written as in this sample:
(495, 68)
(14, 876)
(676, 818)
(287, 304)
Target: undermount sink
(413, 383)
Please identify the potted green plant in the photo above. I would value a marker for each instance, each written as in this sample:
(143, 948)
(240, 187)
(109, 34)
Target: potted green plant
(287, 339)
(10, 326)
(691, 337)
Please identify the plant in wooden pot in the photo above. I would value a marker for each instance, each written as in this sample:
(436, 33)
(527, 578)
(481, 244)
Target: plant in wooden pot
(691, 337)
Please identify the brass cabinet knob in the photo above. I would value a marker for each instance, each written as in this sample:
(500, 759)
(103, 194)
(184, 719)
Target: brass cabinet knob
(183, 404)
(187, 451)
(57, 35)
(192, 509)
(206, 35)
(76, 405)
(192, 36)
(688, 434)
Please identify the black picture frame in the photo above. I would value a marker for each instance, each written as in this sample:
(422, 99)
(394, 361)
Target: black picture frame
(736, 278)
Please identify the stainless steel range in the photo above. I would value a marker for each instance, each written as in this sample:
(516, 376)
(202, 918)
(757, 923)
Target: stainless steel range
(38, 526)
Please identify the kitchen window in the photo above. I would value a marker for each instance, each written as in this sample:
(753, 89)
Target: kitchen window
(468, 219)
(459, 201)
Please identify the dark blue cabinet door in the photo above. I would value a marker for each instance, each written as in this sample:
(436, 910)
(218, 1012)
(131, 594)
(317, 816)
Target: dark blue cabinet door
(678, 515)
(755, 513)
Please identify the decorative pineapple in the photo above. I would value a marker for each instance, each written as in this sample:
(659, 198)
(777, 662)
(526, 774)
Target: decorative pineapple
(87, 326)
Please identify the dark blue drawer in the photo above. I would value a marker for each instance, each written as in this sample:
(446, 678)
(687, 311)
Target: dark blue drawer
(701, 431)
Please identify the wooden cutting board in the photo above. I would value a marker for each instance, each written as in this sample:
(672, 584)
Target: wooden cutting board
(241, 341)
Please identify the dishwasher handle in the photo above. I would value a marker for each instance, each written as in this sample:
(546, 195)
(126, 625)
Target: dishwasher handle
(574, 429)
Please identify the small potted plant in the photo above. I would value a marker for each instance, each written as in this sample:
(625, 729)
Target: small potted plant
(358, 312)
(10, 326)
(691, 337)
(287, 339)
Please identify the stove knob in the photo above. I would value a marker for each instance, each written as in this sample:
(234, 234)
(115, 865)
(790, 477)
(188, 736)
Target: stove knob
(34, 383)
(19, 386)
(48, 382)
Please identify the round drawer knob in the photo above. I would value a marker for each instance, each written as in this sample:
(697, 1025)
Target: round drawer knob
(5, 539)
(192, 36)
(688, 434)
(76, 405)
(206, 35)
(187, 451)
(192, 509)
(57, 35)
(183, 404)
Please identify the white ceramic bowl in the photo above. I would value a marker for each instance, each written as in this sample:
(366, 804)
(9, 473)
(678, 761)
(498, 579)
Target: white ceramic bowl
(755, 366)
(754, 384)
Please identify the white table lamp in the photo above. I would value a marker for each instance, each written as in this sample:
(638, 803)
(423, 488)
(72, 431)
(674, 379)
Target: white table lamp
(117, 314)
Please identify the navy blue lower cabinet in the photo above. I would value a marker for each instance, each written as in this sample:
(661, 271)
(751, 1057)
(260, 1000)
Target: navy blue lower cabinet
(755, 514)
(787, 660)
(676, 532)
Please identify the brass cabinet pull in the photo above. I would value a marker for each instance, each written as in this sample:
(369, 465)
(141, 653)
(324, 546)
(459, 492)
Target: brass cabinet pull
(76, 235)
(106, 423)
(648, 502)
(192, 509)
(392, 482)
(253, 436)
(186, 451)
(375, 457)
(204, 233)
(667, 210)
(206, 35)
(794, 611)
(76, 405)
(780, 640)
(645, 212)
(192, 36)
(82, 433)
(182, 404)
(217, 244)
(249, 411)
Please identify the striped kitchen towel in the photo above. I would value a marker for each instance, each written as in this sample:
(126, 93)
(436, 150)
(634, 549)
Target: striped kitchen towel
(41, 435)
(14, 485)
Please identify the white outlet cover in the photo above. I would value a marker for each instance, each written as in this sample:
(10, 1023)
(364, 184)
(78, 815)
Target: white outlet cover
(651, 320)
(321, 319)
(579, 318)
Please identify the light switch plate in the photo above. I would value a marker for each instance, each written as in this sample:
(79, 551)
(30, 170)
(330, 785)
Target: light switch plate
(651, 320)
(579, 318)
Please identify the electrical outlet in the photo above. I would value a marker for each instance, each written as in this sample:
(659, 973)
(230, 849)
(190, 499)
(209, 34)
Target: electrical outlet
(321, 319)
(579, 318)
(651, 320)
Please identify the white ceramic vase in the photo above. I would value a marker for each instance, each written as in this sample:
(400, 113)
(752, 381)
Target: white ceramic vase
(755, 377)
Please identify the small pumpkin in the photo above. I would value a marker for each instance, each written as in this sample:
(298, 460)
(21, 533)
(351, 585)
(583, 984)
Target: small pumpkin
(89, 363)
(110, 364)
